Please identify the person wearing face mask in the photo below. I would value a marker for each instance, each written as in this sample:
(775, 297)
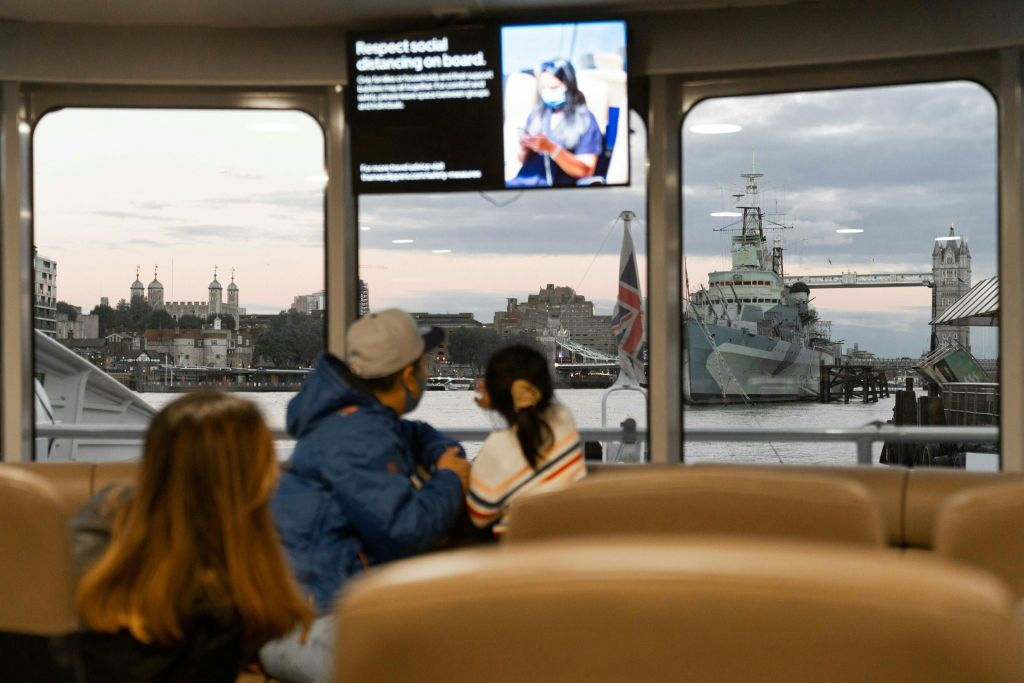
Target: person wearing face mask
(363, 486)
(561, 141)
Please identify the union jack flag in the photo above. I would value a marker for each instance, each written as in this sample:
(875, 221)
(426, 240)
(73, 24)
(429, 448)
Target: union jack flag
(628, 320)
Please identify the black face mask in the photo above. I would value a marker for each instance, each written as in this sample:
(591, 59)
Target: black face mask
(413, 400)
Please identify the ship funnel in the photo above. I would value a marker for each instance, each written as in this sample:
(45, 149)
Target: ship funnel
(799, 292)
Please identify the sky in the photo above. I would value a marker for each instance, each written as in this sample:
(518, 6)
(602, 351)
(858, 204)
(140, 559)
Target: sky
(234, 189)
(244, 190)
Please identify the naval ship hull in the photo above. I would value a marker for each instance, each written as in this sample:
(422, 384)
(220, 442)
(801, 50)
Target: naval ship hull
(747, 367)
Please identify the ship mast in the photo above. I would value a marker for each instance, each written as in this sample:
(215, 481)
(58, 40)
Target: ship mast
(751, 205)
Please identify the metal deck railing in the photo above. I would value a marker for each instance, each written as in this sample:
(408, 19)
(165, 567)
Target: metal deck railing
(863, 437)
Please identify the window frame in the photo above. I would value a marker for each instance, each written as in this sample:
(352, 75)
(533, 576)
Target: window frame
(34, 101)
(998, 72)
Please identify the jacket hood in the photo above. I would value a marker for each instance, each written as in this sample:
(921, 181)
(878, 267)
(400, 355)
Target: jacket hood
(328, 389)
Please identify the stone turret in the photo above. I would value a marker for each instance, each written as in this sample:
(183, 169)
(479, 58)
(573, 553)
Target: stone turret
(156, 292)
(233, 291)
(138, 290)
(216, 294)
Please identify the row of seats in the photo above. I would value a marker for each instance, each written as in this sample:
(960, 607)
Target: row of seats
(908, 500)
(728, 610)
(724, 574)
(730, 581)
(974, 518)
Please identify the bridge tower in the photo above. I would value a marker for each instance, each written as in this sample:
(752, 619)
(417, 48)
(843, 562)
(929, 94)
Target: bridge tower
(951, 268)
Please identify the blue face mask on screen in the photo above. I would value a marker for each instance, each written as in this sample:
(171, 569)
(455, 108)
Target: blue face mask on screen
(553, 97)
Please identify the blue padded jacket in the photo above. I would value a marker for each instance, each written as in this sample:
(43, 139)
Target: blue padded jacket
(355, 484)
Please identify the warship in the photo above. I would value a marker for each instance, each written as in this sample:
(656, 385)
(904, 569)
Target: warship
(748, 337)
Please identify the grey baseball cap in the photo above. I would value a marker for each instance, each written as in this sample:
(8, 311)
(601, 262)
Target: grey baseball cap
(384, 342)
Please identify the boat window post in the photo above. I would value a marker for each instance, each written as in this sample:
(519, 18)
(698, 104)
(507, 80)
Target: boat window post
(342, 248)
(1011, 253)
(664, 259)
(15, 278)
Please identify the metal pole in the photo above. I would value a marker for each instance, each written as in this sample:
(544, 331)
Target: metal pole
(341, 271)
(664, 269)
(16, 394)
(1011, 254)
(864, 450)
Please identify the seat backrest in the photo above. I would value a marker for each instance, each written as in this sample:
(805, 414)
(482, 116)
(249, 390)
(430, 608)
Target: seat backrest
(885, 484)
(984, 526)
(75, 483)
(71, 481)
(929, 489)
(632, 609)
(105, 473)
(35, 560)
(677, 501)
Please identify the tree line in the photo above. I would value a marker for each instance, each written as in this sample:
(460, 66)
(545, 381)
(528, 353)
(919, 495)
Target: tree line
(474, 346)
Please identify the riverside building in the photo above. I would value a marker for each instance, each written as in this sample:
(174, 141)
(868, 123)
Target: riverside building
(553, 309)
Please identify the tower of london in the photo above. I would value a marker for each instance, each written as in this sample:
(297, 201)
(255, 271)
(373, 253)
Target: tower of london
(951, 270)
(215, 304)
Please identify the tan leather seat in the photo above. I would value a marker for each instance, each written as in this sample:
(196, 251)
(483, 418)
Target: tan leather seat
(72, 481)
(676, 610)
(885, 484)
(985, 527)
(75, 483)
(688, 501)
(929, 489)
(105, 473)
(35, 561)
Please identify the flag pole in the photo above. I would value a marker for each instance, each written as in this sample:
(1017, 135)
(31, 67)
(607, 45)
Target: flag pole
(627, 324)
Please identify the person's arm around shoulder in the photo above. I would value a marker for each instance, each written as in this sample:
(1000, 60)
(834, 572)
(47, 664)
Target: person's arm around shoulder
(429, 444)
(392, 517)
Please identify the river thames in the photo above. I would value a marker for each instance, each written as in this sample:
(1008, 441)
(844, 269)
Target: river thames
(450, 409)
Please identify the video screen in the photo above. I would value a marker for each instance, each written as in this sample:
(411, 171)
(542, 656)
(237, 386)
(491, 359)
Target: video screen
(565, 107)
(489, 108)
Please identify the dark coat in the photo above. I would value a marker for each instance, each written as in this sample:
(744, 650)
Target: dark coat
(361, 486)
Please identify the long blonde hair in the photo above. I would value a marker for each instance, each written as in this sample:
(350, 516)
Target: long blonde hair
(197, 537)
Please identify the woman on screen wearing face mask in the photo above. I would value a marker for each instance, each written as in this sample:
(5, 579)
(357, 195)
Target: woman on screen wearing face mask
(561, 141)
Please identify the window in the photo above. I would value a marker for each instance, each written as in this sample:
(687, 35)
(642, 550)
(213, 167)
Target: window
(533, 267)
(194, 225)
(850, 184)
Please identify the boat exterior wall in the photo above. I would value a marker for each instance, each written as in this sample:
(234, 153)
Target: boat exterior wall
(746, 367)
(79, 393)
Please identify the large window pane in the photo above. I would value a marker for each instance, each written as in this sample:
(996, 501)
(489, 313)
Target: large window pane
(539, 266)
(175, 249)
(877, 186)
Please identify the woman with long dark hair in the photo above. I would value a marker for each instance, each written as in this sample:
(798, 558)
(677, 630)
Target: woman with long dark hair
(184, 576)
(561, 141)
(539, 451)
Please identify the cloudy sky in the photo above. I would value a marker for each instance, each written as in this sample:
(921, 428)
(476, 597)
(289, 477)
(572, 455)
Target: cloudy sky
(235, 189)
(117, 188)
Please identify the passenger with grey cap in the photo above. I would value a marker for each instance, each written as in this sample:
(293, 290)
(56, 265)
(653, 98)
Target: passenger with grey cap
(363, 486)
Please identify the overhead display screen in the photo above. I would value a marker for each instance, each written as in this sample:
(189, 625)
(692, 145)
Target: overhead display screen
(489, 108)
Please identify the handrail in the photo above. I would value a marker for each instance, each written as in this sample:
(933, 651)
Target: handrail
(864, 437)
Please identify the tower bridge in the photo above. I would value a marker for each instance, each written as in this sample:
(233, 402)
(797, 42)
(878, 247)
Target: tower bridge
(854, 279)
(949, 280)
(580, 366)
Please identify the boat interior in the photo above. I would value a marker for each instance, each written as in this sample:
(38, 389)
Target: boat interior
(660, 571)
